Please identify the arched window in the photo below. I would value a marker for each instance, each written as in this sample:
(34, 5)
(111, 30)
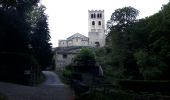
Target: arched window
(98, 15)
(94, 15)
(91, 15)
(93, 23)
(99, 23)
(97, 44)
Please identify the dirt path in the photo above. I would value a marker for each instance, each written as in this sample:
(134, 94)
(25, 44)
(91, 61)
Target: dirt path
(52, 89)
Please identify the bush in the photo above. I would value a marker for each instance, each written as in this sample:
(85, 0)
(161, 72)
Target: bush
(145, 85)
(18, 68)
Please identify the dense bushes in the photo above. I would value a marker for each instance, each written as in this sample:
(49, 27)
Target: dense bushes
(18, 68)
(145, 85)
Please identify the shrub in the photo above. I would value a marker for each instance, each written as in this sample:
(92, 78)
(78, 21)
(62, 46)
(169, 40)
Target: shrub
(18, 68)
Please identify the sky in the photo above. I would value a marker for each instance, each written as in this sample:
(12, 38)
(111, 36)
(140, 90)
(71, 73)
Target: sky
(67, 17)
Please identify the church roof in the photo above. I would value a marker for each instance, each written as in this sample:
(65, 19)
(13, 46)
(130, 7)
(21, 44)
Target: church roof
(77, 35)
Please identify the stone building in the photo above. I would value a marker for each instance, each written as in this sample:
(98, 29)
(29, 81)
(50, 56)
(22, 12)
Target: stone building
(68, 48)
(64, 56)
(74, 40)
(96, 32)
(96, 28)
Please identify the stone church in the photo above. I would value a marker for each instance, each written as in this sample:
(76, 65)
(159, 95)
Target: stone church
(68, 48)
(96, 32)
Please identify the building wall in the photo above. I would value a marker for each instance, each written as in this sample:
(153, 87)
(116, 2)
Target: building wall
(62, 61)
(96, 32)
(70, 42)
(77, 41)
(62, 43)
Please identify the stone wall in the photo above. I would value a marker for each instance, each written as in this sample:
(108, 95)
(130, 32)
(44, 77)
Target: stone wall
(65, 55)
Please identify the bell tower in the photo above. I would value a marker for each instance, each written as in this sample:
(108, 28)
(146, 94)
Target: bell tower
(96, 28)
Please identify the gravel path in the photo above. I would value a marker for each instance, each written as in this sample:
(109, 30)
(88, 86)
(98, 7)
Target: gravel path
(51, 89)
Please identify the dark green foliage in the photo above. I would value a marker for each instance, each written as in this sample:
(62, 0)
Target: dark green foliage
(40, 37)
(24, 30)
(137, 50)
(122, 50)
(123, 18)
(85, 58)
(141, 47)
(145, 85)
(13, 32)
(15, 71)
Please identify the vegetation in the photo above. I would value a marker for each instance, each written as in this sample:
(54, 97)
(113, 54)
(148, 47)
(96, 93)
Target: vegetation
(24, 31)
(2, 97)
(136, 53)
(134, 60)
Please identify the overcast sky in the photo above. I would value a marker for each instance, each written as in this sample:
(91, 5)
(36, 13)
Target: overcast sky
(67, 17)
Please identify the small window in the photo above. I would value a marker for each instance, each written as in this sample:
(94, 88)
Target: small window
(91, 15)
(93, 23)
(64, 56)
(99, 23)
(77, 39)
(98, 15)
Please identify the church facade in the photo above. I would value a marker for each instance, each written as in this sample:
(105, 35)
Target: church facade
(96, 32)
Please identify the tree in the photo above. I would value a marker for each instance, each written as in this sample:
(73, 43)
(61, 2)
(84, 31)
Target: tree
(40, 37)
(122, 20)
(13, 16)
(124, 17)
(85, 57)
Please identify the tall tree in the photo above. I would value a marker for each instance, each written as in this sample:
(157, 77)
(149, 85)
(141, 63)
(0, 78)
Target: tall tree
(40, 36)
(13, 16)
(122, 19)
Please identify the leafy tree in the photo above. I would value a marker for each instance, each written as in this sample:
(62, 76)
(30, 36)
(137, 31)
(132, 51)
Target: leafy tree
(13, 16)
(123, 19)
(85, 57)
(40, 37)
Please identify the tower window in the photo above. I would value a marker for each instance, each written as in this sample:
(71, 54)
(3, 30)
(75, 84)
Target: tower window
(97, 44)
(64, 56)
(99, 23)
(93, 23)
(91, 15)
(98, 15)
(94, 15)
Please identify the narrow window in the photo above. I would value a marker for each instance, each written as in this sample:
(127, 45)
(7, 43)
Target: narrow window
(93, 23)
(91, 15)
(64, 56)
(98, 15)
(99, 23)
